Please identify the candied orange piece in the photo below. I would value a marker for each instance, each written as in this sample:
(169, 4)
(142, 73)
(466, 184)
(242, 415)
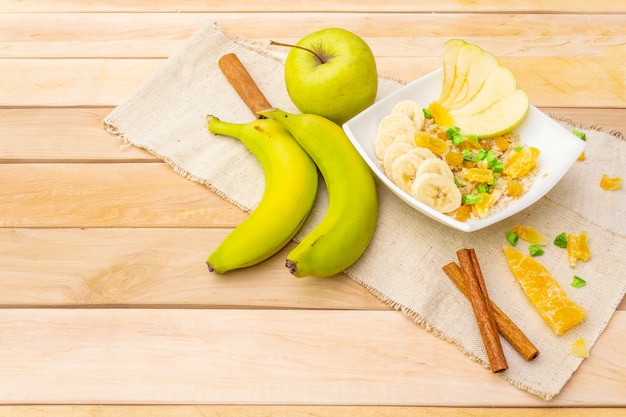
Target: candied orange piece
(514, 188)
(520, 163)
(579, 348)
(530, 234)
(550, 300)
(582, 156)
(436, 145)
(463, 213)
(577, 247)
(478, 175)
(610, 183)
(481, 209)
(440, 114)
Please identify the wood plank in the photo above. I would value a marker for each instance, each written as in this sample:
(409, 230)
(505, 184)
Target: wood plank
(93, 356)
(108, 195)
(500, 6)
(155, 267)
(62, 134)
(76, 134)
(294, 411)
(152, 268)
(132, 35)
(107, 82)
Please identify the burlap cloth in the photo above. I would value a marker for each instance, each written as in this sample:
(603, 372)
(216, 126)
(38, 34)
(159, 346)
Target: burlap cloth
(402, 266)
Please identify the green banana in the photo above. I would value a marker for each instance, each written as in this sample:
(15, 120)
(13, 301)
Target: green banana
(348, 226)
(291, 180)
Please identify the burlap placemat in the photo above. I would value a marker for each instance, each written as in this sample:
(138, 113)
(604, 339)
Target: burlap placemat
(402, 266)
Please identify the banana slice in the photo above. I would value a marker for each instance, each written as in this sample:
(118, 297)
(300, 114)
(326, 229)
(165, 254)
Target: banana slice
(405, 138)
(436, 191)
(424, 153)
(412, 109)
(392, 152)
(403, 170)
(437, 166)
(390, 127)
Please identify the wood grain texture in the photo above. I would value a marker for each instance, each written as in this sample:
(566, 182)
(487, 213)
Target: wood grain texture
(230, 356)
(108, 195)
(294, 411)
(499, 6)
(152, 268)
(107, 307)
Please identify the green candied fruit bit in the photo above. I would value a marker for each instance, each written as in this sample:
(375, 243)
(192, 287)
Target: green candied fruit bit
(561, 240)
(535, 250)
(453, 131)
(471, 198)
(578, 282)
(482, 154)
(473, 136)
(467, 155)
(457, 139)
(518, 148)
(580, 134)
(512, 238)
(427, 114)
(498, 167)
(457, 182)
(492, 159)
(482, 188)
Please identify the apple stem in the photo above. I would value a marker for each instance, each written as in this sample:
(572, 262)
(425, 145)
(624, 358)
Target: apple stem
(299, 47)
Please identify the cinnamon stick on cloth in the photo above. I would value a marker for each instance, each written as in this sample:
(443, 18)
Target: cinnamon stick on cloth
(481, 304)
(165, 115)
(509, 330)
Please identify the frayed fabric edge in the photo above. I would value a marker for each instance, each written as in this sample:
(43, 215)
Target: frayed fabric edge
(422, 322)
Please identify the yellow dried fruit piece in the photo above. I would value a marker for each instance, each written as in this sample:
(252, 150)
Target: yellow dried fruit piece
(521, 163)
(529, 234)
(501, 143)
(582, 156)
(610, 183)
(481, 209)
(544, 292)
(440, 114)
(478, 175)
(436, 145)
(514, 188)
(454, 159)
(579, 348)
(577, 247)
(463, 213)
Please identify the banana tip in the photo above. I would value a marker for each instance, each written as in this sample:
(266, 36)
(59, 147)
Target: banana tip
(292, 267)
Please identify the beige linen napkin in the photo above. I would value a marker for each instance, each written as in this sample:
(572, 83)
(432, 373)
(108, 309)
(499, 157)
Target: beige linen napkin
(402, 266)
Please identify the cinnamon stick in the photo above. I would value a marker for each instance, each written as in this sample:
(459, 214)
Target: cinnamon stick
(482, 309)
(507, 327)
(243, 83)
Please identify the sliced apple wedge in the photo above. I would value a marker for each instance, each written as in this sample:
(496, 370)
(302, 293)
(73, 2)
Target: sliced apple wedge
(482, 67)
(500, 82)
(501, 117)
(450, 53)
(466, 55)
(479, 95)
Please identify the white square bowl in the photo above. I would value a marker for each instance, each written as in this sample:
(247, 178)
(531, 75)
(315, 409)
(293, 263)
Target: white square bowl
(559, 148)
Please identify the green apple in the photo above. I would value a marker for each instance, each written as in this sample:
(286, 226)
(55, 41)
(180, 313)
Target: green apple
(331, 73)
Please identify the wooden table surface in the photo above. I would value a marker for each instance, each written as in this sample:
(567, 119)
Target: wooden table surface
(107, 307)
